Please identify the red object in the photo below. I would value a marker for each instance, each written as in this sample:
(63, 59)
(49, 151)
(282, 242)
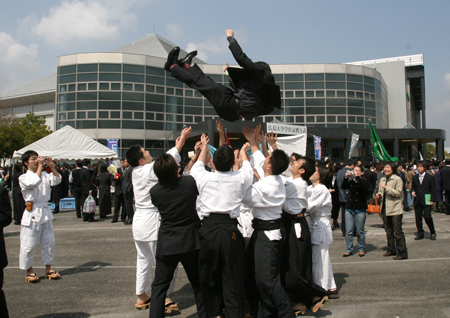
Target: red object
(48, 170)
(227, 141)
(117, 176)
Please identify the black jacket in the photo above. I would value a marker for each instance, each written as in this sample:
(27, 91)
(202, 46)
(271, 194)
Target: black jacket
(371, 178)
(254, 85)
(427, 187)
(118, 183)
(5, 220)
(445, 174)
(127, 182)
(179, 220)
(103, 181)
(86, 180)
(357, 193)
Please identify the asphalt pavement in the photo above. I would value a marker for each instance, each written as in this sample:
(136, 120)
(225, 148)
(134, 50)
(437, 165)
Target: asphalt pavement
(97, 262)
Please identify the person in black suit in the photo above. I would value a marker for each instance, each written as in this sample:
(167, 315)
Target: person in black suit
(175, 197)
(103, 181)
(118, 195)
(57, 192)
(86, 183)
(127, 189)
(77, 186)
(5, 220)
(65, 180)
(445, 175)
(371, 178)
(18, 200)
(423, 184)
(254, 91)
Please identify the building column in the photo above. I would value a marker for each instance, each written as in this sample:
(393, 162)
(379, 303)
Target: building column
(347, 144)
(211, 136)
(440, 149)
(396, 146)
(422, 93)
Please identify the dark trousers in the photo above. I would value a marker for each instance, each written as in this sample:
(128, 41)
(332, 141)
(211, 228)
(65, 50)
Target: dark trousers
(221, 97)
(3, 307)
(395, 236)
(296, 268)
(265, 293)
(405, 200)
(128, 203)
(425, 212)
(343, 218)
(56, 210)
(221, 266)
(118, 202)
(19, 207)
(447, 201)
(77, 192)
(165, 268)
(104, 203)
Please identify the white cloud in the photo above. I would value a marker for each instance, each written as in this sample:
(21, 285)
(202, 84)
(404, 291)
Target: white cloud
(17, 62)
(447, 81)
(78, 21)
(175, 32)
(216, 44)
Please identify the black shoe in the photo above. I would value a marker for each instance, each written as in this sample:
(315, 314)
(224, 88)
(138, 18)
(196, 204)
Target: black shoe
(16, 223)
(187, 59)
(334, 294)
(172, 58)
(92, 220)
(433, 237)
(78, 216)
(85, 220)
(129, 222)
(418, 236)
(114, 221)
(399, 258)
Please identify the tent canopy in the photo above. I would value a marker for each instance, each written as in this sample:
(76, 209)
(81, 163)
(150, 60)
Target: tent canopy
(68, 144)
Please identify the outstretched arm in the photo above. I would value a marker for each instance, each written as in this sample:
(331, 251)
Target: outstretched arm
(219, 127)
(272, 140)
(185, 134)
(241, 58)
(251, 138)
(205, 149)
(197, 150)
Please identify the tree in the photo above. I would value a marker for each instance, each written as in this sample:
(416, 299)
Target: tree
(431, 151)
(16, 133)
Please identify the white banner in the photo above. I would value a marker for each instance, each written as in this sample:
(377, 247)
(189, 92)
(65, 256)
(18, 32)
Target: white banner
(355, 139)
(293, 144)
(285, 129)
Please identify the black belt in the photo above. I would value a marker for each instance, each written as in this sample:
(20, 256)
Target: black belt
(266, 225)
(296, 216)
(219, 218)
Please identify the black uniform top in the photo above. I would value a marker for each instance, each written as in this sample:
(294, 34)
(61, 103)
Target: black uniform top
(357, 187)
(118, 182)
(86, 180)
(371, 178)
(179, 219)
(127, 181)
(104, 181)
(445, 174)
(427, 187)
(5, 220)
(76, 178)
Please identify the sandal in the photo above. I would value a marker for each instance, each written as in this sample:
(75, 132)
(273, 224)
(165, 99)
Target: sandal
(143, 306)
(346, 254)
(52, 275)
(171, 306)
(318, 304)
(31, 278)
(362, 254)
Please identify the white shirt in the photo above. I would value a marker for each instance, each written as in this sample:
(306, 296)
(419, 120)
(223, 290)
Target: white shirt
(319, 208)
(296, 196)
(257, 161)
(37, 190)
(71, 177)
(146, 217)
(221, 192)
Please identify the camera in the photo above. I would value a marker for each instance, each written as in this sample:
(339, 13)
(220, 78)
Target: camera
(350, 173)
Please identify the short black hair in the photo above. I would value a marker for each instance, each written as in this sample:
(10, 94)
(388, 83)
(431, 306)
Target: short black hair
(296, 156)
(223, 158)
(103, 168)
(350, 162)
(309, 166)
(134, 154)
(26, 156)
(18, 167)
(86, 162)
(393, 166)
(166, 169)
(421, 163)
(447, 161)
(79, 163)
(324, 174)
(279, 161)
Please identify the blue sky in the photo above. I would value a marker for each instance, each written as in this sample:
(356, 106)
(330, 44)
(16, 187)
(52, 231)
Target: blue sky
(34, 33)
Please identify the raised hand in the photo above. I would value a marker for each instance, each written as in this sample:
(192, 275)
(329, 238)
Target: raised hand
(186, 133)
(219, 126)
(229, 32)
(204, 140)
(271, 139)
(248, 134)
(198, 147)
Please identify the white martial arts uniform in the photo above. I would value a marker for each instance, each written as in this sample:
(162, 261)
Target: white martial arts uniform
(146, 221)
(296, 200)
(37, 226)
(319, 208)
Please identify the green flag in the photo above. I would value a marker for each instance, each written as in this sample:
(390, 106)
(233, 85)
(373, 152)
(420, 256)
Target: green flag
(378, 148)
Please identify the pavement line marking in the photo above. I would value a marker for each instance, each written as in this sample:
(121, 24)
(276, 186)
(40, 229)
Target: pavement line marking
(342, 263)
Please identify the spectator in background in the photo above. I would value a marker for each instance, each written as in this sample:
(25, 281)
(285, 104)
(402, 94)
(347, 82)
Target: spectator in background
(57, 191)
(371, 178)
(17, 197)
(118, 195)
(86, 187)
(5, 220)
(445, 174)
(409, 174)
(343, 194)
(103, 181)
(438, 189)
(334, 191)
(77, 187)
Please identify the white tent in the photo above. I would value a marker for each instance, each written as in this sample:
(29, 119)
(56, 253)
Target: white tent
(68, 144)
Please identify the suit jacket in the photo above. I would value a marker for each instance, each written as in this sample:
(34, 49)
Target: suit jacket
(58, 190)
(118, 183)
(86, 180)
(127, 182)
(427, 187)
(371, 178)
(343, 194)
(104, 181)
(445, 174)
(179, 219)
(5, 220)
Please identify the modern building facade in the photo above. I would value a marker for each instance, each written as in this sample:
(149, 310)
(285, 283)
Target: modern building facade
(125, 94)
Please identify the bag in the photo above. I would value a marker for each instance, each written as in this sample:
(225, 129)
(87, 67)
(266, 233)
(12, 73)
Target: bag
(373, 208)
(89, 205)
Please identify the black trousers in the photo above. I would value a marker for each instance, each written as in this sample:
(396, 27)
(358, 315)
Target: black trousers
(425, 212)
(296, 267)
(165, 268)
(221, 266)
(119, 202)
(447, 201)
(343, 204)
(395, 236)
(77, 193)
(265, 293)
(3, 307)
(221, 97)
(19, 207)
(128, 203)
(104, 203)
